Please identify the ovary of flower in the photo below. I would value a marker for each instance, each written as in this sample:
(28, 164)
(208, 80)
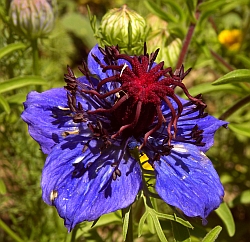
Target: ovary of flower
(142, 157)
(144, 162)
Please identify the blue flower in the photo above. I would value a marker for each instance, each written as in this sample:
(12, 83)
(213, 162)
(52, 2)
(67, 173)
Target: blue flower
(89, 128)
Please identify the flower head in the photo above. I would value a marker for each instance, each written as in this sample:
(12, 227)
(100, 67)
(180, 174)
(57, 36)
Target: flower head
(231, 39)
(33, 18)
(90, 128)
(124, 27)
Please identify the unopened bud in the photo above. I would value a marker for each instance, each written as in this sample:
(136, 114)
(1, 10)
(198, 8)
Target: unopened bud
(32, 18)
(125, 28)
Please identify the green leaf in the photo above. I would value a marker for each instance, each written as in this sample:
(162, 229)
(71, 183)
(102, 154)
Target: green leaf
(176, 7)
(212, 234)
(173, 218)
(4, 104)
(242, 129)
(21, 81)
(226, 216)
(151, 226)
(243, 198)
(208, 87)
(2, 187)
(157, 10)
(191, 4)
(236, 76)
(181, 233)
(11, 48)
(141, 223)
(158, 228)
(211, 5)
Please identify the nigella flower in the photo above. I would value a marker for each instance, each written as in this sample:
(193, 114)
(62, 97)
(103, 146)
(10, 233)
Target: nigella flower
(89, 127)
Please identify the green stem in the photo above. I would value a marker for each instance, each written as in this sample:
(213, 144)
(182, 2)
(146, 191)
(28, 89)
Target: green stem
(130, 234)
(235, 107)
(73, 234)
(10, 232)
(35, 56)
(221, 60)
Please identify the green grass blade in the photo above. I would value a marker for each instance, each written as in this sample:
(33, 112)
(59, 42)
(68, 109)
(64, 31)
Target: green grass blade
(11, 48)
(4, 104)
(226, 216)
(22, 81)
(242, 75)
(213, 234)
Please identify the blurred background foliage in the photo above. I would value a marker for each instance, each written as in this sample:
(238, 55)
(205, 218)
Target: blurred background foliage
(220, 44)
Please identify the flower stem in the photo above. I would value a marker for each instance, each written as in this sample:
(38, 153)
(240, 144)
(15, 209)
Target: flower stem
(188, 39)
(221, 60)
(235, 107)
(13, 235)
(35, 57)
(130, 234)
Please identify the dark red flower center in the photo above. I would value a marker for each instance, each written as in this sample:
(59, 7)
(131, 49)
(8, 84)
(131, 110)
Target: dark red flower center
(140, 87)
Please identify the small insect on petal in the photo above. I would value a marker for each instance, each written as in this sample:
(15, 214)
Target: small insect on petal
(53, 195)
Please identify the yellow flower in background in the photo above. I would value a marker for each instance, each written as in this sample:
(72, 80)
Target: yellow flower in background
(231, 39)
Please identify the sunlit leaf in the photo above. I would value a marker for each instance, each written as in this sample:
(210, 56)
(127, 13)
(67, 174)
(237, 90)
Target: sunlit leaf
(213, 234)
(173, 218)
(151, 226)
(4, 104)
(181, 233)
(208, 88)
(191, 4)
(158, 228)
(157, 10)
(226, 216)
(21, 81)
(108, 219)
(241, 75)
(176, 7)
(141, 223)
(215, 5)
(11, 48)
(242, 129)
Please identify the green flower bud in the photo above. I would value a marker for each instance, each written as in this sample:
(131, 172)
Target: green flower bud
(160, 38)
(125, 28)
(32, 18)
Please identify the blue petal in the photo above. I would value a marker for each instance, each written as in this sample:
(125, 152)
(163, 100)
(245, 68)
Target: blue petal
(208, 124)
(48, 117)
(187, 180)
(189, 119)
(87, 193)
(96, 69)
